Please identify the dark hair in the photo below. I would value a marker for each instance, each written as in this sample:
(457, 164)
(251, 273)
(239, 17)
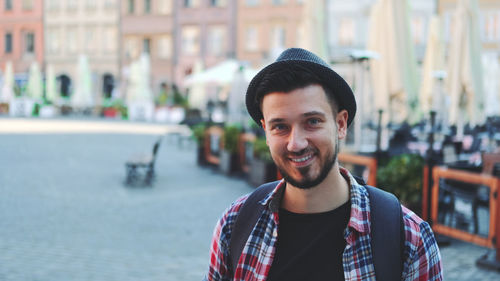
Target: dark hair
(289, 79)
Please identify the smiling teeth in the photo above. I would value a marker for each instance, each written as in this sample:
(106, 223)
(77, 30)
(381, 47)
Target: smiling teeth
(302, 159)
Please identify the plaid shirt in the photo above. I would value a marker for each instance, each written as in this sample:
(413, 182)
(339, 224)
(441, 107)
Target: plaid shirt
(421, 253)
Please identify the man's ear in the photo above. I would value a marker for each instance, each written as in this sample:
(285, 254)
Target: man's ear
(263, 124)
(342, 123)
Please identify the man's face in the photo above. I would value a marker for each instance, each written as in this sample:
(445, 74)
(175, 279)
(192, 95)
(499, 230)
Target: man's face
(302, 133)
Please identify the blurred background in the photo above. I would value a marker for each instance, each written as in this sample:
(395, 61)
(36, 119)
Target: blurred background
(124, 134)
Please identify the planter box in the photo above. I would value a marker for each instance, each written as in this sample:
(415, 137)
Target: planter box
(229, 162)
(261, 172)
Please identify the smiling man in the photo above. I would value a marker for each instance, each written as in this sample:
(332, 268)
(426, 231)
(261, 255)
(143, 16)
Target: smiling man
(318, 223)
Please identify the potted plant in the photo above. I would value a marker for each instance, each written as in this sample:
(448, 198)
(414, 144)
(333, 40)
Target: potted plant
(262, 167)
(199, 136)
(402, 176)
(229, 162)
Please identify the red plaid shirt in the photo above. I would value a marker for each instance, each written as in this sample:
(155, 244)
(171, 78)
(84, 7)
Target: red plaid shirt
(421, 254)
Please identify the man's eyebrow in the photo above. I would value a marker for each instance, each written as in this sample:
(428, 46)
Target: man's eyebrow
(276, 120)
(313, 113)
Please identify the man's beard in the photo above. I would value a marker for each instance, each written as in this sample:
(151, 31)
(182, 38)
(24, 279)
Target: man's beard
(308, 183)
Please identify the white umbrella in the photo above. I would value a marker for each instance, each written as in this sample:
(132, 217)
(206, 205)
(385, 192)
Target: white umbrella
(50, 90)
(197, 97)
(394, 76)
(222, 73)
(312, 28)
(7, 90)
(83, 96)
(464, 83)
(34, 88)
(237, 113)
(139, 89)
(433, 61)
(491, 69)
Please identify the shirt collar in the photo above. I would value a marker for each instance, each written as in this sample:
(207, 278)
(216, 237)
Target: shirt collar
(360, 205)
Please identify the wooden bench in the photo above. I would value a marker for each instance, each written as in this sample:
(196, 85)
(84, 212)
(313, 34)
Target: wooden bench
(140, 168)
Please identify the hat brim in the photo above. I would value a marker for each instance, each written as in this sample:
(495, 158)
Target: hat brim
(330, 79)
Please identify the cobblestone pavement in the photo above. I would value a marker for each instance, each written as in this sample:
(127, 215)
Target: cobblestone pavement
(65, 214)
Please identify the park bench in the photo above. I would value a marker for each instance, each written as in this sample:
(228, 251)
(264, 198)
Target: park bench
(140, 167)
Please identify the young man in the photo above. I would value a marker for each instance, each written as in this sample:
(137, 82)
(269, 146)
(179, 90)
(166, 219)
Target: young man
(315, 224)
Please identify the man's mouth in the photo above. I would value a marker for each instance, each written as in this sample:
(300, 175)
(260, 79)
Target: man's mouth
(304, 160)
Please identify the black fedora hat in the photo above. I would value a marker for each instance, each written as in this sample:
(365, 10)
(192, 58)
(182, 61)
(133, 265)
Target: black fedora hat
(310, 62)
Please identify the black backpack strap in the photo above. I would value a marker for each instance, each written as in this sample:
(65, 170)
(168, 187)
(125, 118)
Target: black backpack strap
(387, 234)
(247, 217)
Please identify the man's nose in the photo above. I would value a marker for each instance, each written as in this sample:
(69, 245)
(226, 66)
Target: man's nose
(297, 140)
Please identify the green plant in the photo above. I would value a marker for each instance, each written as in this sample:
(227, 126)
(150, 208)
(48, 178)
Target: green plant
(199, 132)
(403, 176)
(261, 150)
(230, 138)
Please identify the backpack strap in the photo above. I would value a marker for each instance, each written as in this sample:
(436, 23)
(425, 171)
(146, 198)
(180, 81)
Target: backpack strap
(247, 217)
(387, 234)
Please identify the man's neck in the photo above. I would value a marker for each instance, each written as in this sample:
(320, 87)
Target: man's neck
(330, 194)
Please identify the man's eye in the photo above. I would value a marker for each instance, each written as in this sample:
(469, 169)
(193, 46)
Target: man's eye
(314, 121)
(279, 127)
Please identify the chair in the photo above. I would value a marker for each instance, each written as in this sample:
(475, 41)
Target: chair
(145, 162)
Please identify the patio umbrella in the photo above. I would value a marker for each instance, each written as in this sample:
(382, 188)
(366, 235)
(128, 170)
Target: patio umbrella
(433, 61)
(50, 90)
(7, 90)
(139, 89)
(34, 87)
(312, 28)
(222, 74)
(83, 96)
(491, 88)
(196, 96)
(394, 76)
(464, 82)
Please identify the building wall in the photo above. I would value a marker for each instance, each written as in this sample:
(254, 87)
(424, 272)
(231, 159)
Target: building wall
(147, 26)
(266, 27)
(24, 18)
(205, 32)
(90, 28)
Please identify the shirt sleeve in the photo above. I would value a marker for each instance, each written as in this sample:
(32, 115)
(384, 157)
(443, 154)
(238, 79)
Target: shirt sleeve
(219, 268)
(423, 260)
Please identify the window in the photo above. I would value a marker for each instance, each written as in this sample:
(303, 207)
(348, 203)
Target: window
(278, 2)
(29, 43)
(28, 5)
(90, 38)
(191, 3)
(147, 6)
(217, 3)
(8, 43)
(251, 39)
(164, 46)
(146, 45)
(346, 32)
(53, 5)
(131, 6)
(418, 30)
(190, 40)
(91, 4)
(72, 5)
(109, 39)
(53, 40)
(164, 7)
(8, 5)
(216, 40)
(490, 26)
(252, 3)
(278, 38)
(72, 37)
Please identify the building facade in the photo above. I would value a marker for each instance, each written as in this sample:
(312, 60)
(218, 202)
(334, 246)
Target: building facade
(265, 27)
(21, 34)
(147, 27)
(205, 32)
(83, 28)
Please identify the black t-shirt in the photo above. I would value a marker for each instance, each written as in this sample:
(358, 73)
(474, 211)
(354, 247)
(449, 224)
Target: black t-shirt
(310, 246)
